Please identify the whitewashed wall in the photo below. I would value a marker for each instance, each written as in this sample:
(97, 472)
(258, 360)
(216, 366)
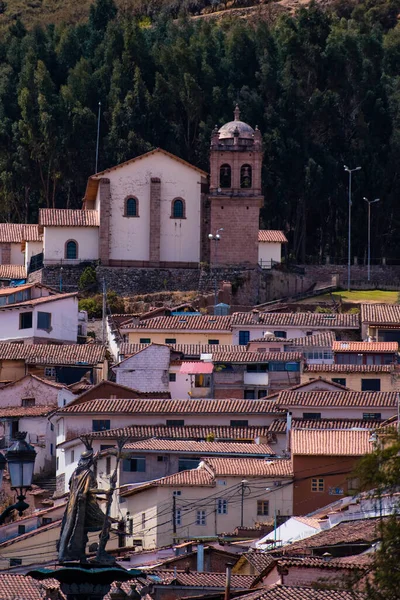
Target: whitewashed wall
(54, 239)
(268, 251)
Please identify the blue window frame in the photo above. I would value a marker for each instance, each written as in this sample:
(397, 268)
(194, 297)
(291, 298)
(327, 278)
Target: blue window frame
(178, 209)
(244, 338)
(71, 250)
(131, 207)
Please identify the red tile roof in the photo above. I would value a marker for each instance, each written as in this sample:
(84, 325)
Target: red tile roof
(328, 442)
(192, 477)
(279, 425)
(283, 592)
(31, 233)
(181, 322)
(187, 432)
(256, 357)
(306, 319)
(348, 368)
(258, 559)
(166, 407)
(26, 411)
(12, 272)
(22, 587)
(11, 233)
(54, 354)
(365, 347)
(188, 350)
(39, 301)
(272, 235)
(68, 217)
(339, 398)
(381, 314)
(359, 531)
(205, 448)
(250, 467)
(324, 339)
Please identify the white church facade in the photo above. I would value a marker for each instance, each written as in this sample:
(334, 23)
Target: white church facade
(157, 210)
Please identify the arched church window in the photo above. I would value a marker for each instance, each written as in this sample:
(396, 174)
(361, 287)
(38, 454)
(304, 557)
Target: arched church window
(245, 176)
(131, 207)
(225, 176)
(178, 209)
(71, 250)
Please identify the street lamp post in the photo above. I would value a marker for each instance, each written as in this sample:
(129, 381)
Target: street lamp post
(21, 460)
(216, 239)
(369, 202)
(349, 171)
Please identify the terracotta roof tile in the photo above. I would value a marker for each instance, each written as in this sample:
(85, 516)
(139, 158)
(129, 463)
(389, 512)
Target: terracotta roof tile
(283, 592)
(259, 559)
(203, 580)
(256, 357)
(67, 217)
(12, 272)
(25, 411)
(188, 350)
(306, 319)
(380, 314)
(195, 432)
(165, 407)
(365, 347)
(204, 448)
(54, 354)
(348, 368)
(251, 467)
(182, 479)
(38, 301)
(328, 442)
(272, 235)
(345, 533)
(11, 233)
(302, 387)
(279, 425)
(22, 587)
(31, 233)
(178, 323)
(324, 339)
(337, 399)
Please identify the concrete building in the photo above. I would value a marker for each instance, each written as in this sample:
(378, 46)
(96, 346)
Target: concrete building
(146, 371)
(207, 500)
(270, 248)
(360, 378)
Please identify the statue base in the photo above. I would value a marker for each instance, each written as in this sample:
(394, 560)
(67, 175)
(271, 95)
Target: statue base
(85, 581)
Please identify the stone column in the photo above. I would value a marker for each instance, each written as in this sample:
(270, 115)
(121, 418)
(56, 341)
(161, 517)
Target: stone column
(105, 214)
(155, 221)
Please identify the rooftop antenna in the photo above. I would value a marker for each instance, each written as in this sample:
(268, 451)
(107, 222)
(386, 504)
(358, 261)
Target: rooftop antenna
(98, 137)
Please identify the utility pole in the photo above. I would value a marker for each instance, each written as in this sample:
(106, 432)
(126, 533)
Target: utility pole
(349, 171)
(174, 516)
(104, 312)
(369, 202)
(98, 137)
(243, 484)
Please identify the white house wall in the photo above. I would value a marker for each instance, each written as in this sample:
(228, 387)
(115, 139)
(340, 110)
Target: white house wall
(268, 251)
(146, 371)
(54, 240)
(17, 257)
(28, 387)
(31, 249)
(129, 236)
(64, 322)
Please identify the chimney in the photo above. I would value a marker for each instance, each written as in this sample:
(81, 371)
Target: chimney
(288, 429)
(200, 558)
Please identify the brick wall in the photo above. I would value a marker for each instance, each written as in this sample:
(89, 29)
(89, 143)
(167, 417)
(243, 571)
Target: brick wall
(155, 219)
(5, 253)
(105, 212)
(147, 371)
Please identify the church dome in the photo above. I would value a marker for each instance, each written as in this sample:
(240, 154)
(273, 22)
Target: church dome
(236, 127)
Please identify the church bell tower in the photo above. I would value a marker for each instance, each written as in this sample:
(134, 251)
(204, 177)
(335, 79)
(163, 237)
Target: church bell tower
(235, 193)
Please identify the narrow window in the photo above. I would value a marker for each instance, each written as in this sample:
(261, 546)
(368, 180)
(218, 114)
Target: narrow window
(175, 423)
(131, 207)
(317, 484)
(44, 320)
(178, 209)
(143, 520)
(312, 416)
(213, 342)
(201, 517)
(145, 341)
(170, 340)
(239, 423)
(225, 176)
(21, 529)
(100, 424)
(245, 176)
(172, 377)
(108, 465)
(178, 517)
(72, 456)
(71, 250)
(262, 508)
(222, 506)
(244, 337)
(25, 320)
(28, 402)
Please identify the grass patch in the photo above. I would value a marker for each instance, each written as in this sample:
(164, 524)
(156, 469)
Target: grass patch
(380, 296)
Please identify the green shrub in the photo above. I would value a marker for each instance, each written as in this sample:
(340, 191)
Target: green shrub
(94, 305)
(88, 280)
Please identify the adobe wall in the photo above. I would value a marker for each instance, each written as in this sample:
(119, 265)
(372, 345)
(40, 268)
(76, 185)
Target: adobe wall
(384, 275)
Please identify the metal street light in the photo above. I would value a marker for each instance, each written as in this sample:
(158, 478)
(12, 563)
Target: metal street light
(216, 239)
(21, 461)
(369, 202)
(349, 171)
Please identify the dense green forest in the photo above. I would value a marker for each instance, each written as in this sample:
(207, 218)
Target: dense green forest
(323, 87)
